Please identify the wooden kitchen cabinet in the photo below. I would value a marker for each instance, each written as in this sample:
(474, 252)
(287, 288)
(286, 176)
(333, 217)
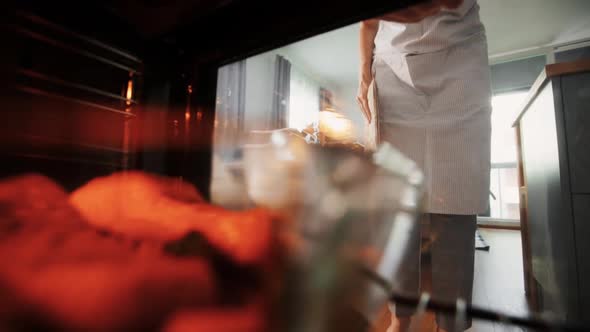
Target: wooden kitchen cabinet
(554, 154)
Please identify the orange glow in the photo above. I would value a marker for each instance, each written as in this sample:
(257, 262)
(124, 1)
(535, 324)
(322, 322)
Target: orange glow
(92, 127)
(94, 259)
(63, 267)
(199, 116)
(187, 115)
(175, 208)
(335, 125)
(129, 93)
(247, 319)
(190, 89)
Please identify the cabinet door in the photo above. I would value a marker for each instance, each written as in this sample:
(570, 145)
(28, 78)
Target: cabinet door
(582, 222)
(576, 102)
(549, 222)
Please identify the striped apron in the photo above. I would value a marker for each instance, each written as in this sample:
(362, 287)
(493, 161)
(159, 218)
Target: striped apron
(434, 104)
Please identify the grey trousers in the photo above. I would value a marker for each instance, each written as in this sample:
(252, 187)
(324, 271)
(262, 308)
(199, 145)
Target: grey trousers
(452, 250)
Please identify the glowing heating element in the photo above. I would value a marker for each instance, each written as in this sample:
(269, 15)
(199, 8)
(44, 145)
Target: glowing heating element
(187, 111)
(129, 93)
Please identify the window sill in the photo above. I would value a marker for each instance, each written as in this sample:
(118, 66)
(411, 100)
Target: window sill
(498, 223)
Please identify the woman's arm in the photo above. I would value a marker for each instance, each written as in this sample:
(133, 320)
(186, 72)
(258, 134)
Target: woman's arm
(368, 31)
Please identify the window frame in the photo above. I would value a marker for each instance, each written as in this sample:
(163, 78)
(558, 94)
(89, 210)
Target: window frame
(495, 221)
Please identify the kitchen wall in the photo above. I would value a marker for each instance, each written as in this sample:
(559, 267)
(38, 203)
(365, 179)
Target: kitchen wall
(515, 75)
(573, 54)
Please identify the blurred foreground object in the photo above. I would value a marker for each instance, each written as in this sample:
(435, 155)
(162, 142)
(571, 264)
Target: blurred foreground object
(134, 251)
(61, 273)
(350, 215)
(58, 271)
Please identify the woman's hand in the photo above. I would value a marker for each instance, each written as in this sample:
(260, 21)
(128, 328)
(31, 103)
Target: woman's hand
(368, 31)
(362, 96)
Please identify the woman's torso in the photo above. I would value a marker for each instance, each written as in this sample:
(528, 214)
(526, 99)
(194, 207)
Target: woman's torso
(440, 65)
(435, 33)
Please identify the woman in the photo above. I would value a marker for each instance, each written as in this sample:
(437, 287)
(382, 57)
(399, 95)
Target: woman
(430, 70)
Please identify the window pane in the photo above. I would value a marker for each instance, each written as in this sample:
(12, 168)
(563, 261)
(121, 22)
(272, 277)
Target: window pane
(504, 109)
(509, 191)
(504, 201)
(304, 101)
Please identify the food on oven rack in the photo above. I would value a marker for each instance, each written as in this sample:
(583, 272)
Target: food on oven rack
(137, 204)
(100, 259)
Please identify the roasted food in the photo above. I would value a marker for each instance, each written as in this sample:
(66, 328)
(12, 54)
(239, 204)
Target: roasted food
(139, 204)
(103, 266)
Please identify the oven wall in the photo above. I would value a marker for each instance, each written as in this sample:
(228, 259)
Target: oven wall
(66, 114)
(65, 108)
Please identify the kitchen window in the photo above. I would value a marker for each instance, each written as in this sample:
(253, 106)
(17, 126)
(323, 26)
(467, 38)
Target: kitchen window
(304, 100)
(504, 198)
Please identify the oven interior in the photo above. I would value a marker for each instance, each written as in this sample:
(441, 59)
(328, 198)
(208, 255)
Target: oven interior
(101, 88)
(104, 87)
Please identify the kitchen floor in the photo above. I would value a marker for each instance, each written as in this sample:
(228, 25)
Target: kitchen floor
(498, 282)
